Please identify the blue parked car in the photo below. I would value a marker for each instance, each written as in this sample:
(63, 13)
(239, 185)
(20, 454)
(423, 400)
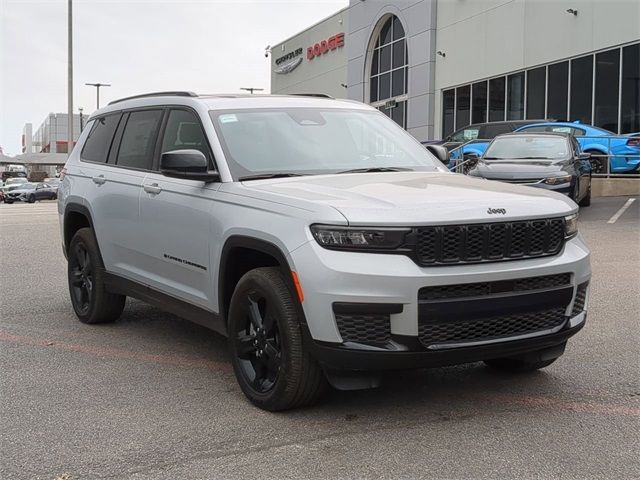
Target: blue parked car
(625, 149)
(596, 141)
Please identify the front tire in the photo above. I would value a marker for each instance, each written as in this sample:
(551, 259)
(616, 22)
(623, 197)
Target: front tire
(91, 301)
(265, 340)
(32, 199)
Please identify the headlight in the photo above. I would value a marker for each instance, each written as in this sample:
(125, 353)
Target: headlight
(571, 226)
(558, 180)
(352, 238)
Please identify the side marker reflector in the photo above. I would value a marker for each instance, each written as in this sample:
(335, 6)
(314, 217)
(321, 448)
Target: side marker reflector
(296, 282)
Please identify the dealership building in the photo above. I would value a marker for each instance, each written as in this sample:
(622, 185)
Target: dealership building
(435, 66)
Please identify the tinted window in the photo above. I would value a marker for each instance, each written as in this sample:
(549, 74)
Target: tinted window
(138, 139)
(183, 131)
(581, 89)
(606, 91)
(463, 116)
(515, 97)
(96, 147)
(479, 107)
(448, 106)
(630, 89)
(490, 131)
(558, 90)
(470, 133)
(536, 80)
(496, 99)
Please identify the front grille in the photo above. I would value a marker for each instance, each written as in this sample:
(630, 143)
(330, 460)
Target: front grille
(489, 242)
(581, 298)
(364, 328)
(442, 292)
(490, 328)
(525, 181)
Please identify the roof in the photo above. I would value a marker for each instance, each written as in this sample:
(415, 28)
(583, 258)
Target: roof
(230, 101)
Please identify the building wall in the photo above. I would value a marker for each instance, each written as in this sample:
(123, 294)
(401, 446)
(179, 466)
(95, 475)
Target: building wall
(486, 38)
(326, 73)
(418, 19)
(51, 136)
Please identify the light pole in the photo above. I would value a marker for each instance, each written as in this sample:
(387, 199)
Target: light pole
(80, 110)
(70, 76)
(98, 85)
(252, 89)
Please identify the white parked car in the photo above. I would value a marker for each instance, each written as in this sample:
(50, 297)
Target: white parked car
(320, 237)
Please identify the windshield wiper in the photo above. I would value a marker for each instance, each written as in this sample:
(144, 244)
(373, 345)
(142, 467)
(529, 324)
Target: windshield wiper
(264, 176)
(377, 169)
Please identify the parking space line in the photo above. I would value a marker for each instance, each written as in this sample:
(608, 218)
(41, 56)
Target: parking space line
(99, 351)
(617, 215)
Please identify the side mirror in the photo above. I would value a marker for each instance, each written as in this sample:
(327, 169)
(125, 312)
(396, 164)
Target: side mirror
(440, 152)
(187, 164)
(584, 156)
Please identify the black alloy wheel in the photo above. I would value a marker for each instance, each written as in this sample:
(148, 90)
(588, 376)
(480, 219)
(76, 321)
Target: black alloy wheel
(90, 299)
(271, 364)
(258, 343)
(597, 161)
(32, 198)
(81, 279)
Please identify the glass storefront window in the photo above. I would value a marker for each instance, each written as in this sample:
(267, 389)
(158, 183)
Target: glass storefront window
(606, 90)
(581, 89)
(558, 91)
(630, 111)
(515, 97)
(463, 106)
(389, 68)
(496, 99)
(448, 106)
(536, 80)
(479, 100)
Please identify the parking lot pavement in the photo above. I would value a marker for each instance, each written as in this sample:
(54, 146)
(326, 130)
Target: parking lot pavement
(152, 396)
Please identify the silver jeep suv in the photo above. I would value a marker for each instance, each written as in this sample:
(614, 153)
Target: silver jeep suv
(323, 240)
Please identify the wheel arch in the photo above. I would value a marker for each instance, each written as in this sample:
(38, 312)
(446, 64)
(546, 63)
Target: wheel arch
(241, 254)
(77, 216)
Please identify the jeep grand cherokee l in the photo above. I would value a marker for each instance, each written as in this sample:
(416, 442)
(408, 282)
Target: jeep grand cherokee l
(322, 239)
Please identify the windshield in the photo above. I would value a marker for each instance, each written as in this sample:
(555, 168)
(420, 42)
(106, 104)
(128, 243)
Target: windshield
(312, 141)
(26, 186)
(15, 181)
(527, 147)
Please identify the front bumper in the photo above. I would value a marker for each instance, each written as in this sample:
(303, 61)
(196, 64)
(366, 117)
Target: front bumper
(393, 282)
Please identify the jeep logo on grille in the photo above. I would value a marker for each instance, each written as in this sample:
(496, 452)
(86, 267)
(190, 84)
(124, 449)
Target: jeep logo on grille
(492, 211)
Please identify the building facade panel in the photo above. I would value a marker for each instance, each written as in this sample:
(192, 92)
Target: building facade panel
(490, 60)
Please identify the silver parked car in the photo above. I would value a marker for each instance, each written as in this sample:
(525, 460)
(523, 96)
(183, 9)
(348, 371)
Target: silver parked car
(321, 238)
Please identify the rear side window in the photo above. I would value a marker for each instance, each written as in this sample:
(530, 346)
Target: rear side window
(138, 139)
(96, 147)
(183, 131)
(535, 129)
(492, 131)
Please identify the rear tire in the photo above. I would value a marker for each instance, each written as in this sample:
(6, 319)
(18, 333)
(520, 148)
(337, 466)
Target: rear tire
(91, 301)
(528, 362)
(597, 162)
(265, 340)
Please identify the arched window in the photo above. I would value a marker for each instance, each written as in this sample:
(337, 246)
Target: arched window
(389, 71)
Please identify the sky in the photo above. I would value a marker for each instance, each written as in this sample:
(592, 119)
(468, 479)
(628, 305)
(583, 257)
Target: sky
(138, 46)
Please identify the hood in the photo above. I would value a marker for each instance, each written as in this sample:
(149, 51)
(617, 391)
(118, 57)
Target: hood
(519, 169)
(412, 198)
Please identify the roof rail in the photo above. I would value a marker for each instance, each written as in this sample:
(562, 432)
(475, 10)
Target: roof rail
(319, 95)
(155, 94)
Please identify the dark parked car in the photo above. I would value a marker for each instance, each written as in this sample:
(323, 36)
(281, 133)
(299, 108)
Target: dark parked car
(30, 192)
(553, 161)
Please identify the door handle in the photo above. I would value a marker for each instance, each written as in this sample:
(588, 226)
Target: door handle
(153, 188)
(99, 180)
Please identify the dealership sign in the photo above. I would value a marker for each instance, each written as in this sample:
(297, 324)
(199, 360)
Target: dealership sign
(324, 46)
(288, 62)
